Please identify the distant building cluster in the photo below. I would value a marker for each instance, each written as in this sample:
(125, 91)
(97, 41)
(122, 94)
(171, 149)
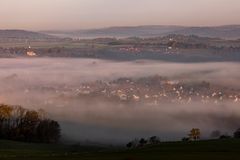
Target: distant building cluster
(30, 52)
(155, 90)
(151, 90)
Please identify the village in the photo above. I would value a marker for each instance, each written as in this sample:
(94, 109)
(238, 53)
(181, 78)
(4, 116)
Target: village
(154, 90)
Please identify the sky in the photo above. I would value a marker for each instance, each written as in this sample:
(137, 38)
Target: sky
(83, 14)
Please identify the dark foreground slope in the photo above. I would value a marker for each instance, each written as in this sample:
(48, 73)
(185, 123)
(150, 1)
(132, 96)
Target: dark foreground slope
(221, 150)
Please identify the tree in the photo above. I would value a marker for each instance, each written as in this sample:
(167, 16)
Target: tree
(225, 137)
(17, 123)
(142, 142)
(130, 145)
(194, 134)
(237, 133)
(48, 131)
(154, 140)
(215, 134)
(30, 122)
(5, 115)
(185, 139)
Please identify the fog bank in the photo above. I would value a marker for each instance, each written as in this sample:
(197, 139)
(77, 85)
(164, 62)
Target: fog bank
(34, 83)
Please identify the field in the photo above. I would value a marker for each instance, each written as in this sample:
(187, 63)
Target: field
(215, 149)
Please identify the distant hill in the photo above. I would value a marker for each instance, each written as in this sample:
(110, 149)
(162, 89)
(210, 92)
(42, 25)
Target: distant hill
(226, 32)
(140, 31)
(121, 32)
(22, 34)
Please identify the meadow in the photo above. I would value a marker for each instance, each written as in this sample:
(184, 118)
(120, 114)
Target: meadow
(211, 149)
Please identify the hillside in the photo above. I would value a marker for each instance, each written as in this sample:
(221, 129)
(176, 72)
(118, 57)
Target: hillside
(215, 149)
(122, 32)
(226, 32)
(139, 31)
(22, 34)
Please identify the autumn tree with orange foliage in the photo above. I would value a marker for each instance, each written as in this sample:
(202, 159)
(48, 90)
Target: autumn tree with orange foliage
(17, 123)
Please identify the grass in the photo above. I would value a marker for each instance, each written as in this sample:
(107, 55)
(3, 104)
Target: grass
(202, 150)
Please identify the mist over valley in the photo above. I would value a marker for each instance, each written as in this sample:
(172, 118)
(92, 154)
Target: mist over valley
(112, 102)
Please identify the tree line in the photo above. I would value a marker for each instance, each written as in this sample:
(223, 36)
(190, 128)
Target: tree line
(20, 124)
(143, 142)
(193, 135)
